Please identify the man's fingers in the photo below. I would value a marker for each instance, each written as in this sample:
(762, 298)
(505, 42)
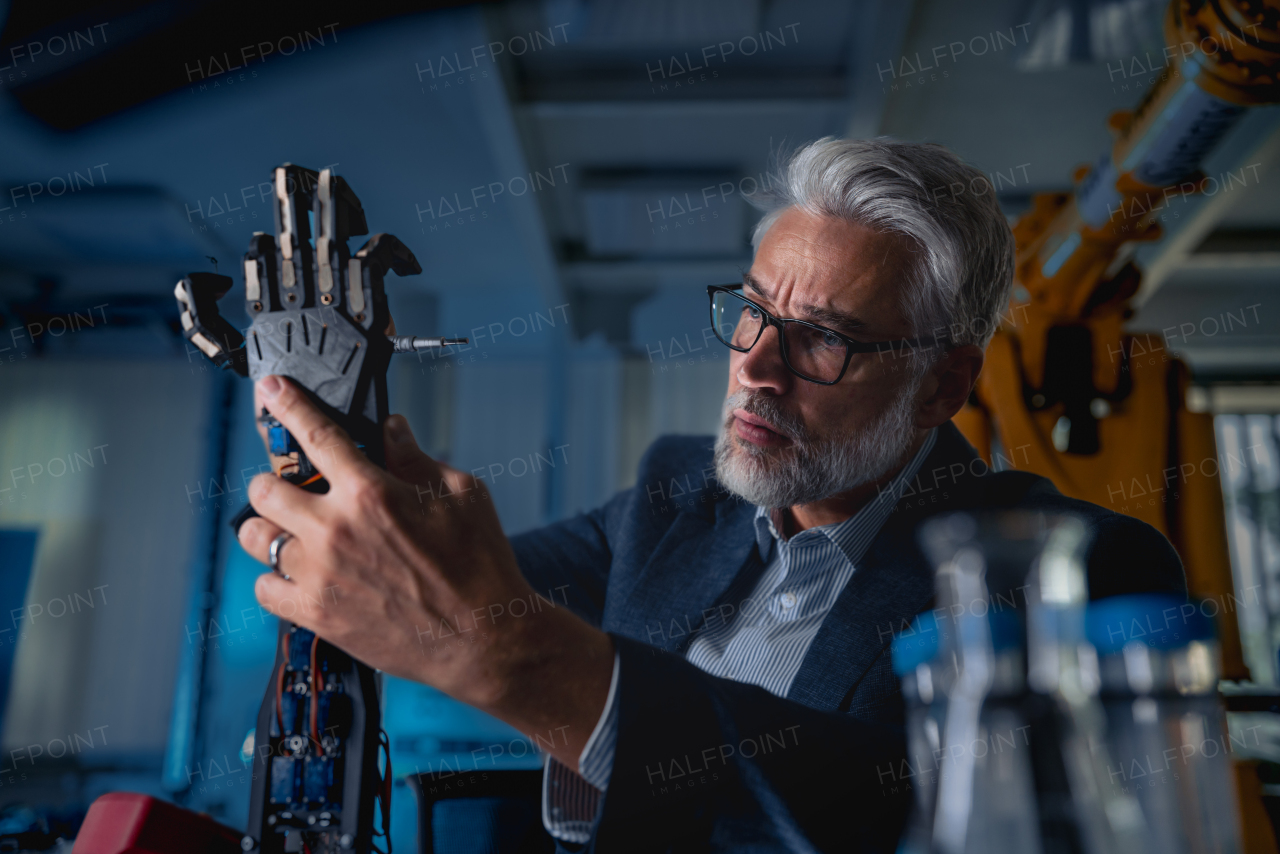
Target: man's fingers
(255, 537)
(326, 444)
(290, 507)
(278, 596)
(405, 460)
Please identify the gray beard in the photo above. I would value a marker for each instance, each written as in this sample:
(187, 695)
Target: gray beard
(811, 468)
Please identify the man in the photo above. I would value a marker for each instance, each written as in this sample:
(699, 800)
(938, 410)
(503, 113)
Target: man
(722, 677)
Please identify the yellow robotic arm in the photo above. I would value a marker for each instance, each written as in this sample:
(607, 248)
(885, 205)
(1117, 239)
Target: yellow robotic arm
(1066, 391)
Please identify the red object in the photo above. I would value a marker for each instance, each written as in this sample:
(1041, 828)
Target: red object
(132, 823)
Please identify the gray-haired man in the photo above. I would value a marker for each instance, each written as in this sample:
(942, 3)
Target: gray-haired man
(723, 680)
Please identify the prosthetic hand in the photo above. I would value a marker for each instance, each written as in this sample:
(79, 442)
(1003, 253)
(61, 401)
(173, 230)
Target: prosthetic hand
(319, 313)
(320, 318)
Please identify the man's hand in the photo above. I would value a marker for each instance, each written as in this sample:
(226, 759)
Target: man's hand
(408, 570)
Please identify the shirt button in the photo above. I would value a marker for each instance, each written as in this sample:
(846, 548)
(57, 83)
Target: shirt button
(788, 600)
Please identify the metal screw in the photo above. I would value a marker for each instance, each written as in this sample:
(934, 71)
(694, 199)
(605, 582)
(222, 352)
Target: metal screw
(345, 840)
(247, 843)
(326, 299)
(257, 306)
(292, 297)
(360, 317)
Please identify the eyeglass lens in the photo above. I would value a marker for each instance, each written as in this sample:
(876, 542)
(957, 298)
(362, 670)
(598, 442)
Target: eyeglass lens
(811, 352)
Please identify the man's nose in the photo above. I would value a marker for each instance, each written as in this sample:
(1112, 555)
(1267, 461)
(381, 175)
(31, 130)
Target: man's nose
(762, 366)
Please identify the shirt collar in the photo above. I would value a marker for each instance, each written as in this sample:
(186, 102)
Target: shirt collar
(853, 535)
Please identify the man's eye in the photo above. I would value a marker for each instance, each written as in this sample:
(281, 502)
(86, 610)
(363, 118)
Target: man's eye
(831, 340)
(753, 313)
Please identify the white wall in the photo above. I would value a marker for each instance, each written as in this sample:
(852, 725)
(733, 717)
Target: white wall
(119, 530)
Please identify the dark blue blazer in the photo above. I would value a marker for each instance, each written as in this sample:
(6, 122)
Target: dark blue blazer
(705, 763)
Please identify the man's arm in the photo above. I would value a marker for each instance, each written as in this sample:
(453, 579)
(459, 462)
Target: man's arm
(422, 590)
(568, 562)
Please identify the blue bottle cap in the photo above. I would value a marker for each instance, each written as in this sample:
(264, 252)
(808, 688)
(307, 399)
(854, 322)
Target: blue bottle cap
(1159, 620)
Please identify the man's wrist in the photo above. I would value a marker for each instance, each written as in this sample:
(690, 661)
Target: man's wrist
(548, 675)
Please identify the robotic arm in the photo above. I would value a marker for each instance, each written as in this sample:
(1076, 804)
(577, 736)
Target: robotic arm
(320, 318)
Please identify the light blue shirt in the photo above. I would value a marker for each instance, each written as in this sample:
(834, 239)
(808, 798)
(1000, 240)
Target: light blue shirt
(763, 644)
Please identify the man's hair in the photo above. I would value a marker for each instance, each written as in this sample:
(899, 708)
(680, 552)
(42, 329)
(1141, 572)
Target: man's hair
(945, 209)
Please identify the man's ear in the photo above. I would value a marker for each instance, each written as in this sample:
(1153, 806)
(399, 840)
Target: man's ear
(948, 385)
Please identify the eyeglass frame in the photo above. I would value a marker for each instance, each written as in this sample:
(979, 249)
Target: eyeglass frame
(851, 346)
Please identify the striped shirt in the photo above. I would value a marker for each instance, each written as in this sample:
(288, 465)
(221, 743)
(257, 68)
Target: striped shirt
(763, 644)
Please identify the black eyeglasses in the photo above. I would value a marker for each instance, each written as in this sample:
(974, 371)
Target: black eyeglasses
(810, 351)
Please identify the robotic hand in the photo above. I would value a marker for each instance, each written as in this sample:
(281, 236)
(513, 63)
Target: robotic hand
(319, 313)
(320, 318)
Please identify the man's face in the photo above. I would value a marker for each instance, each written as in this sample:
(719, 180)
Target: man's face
(788, 441)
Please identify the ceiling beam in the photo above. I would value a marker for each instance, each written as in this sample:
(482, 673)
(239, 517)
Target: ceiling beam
(1260, 144)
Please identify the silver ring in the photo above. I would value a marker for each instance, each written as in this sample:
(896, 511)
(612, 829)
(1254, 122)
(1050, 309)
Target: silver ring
(274, 553)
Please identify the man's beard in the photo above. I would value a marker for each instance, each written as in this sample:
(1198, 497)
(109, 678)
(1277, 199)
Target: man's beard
(810, 468)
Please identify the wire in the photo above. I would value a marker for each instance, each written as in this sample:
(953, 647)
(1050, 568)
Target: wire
(316, 684)
(284, 651)
(311, 479)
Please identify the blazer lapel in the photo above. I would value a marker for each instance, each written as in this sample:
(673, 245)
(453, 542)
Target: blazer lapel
(693, 566)
(892, 582)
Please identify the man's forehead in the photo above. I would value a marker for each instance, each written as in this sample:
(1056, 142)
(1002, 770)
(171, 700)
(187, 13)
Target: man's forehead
(813, 308)
(807, 260)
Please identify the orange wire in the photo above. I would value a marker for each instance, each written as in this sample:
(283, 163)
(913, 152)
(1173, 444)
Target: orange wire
(311, 479)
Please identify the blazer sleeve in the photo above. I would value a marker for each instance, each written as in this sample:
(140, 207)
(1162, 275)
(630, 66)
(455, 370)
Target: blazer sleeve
(568, 562)
(703, 762)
